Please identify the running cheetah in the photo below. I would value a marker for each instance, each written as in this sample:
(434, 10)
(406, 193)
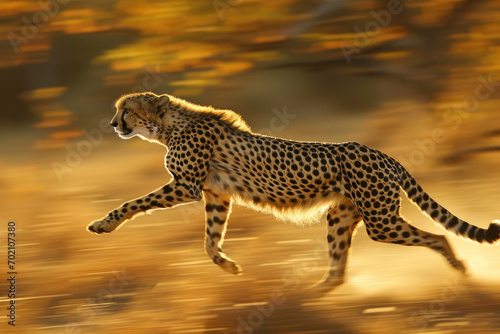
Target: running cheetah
(213, 154)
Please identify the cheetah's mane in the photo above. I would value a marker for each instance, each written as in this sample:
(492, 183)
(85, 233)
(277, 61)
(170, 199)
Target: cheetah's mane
(228, 117)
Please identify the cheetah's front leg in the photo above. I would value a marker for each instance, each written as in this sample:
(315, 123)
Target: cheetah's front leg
(217, 211)
(168, 196)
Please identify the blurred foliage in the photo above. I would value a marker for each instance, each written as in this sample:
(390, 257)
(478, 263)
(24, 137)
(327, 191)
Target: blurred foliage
(60, 60)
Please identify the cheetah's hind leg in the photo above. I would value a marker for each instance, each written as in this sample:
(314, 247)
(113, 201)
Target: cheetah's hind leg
(342, 222)
(403, 233)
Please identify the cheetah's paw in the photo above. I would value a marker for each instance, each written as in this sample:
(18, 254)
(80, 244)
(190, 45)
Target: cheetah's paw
(231, 267)
(101, 226)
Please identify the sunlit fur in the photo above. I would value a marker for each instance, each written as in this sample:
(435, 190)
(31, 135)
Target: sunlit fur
(305, 214)
(193, 110)
(143, 105)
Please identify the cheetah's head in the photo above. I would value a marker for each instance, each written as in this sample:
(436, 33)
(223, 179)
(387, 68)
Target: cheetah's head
(139, 114)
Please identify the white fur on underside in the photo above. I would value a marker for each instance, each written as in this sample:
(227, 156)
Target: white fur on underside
(305, 213)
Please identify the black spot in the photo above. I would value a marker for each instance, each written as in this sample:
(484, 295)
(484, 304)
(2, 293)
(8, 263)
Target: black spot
(452, 223)
(220, 208)
(334, 221)
(215, 235)
(480, 235)
(472, 232)
(219, 221)
(166, 189)
(463, 228)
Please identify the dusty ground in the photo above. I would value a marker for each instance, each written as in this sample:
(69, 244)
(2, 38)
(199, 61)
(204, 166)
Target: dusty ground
(152, 276)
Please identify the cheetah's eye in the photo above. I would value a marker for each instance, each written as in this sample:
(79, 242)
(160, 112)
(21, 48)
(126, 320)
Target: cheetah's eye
(126, 111)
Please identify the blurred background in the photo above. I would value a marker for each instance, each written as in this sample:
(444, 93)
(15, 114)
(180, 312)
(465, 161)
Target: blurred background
(419, 80)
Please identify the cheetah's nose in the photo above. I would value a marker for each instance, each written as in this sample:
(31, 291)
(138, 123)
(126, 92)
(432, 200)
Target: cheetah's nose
(114, 124)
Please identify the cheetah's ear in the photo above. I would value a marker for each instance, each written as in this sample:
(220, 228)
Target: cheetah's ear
(162, 101)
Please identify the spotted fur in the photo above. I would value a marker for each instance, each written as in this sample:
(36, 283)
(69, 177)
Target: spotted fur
(213, 154)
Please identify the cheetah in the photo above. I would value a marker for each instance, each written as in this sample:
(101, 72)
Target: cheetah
(213, 154)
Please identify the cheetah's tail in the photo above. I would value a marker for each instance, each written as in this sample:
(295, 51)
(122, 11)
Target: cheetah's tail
(442, 216)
